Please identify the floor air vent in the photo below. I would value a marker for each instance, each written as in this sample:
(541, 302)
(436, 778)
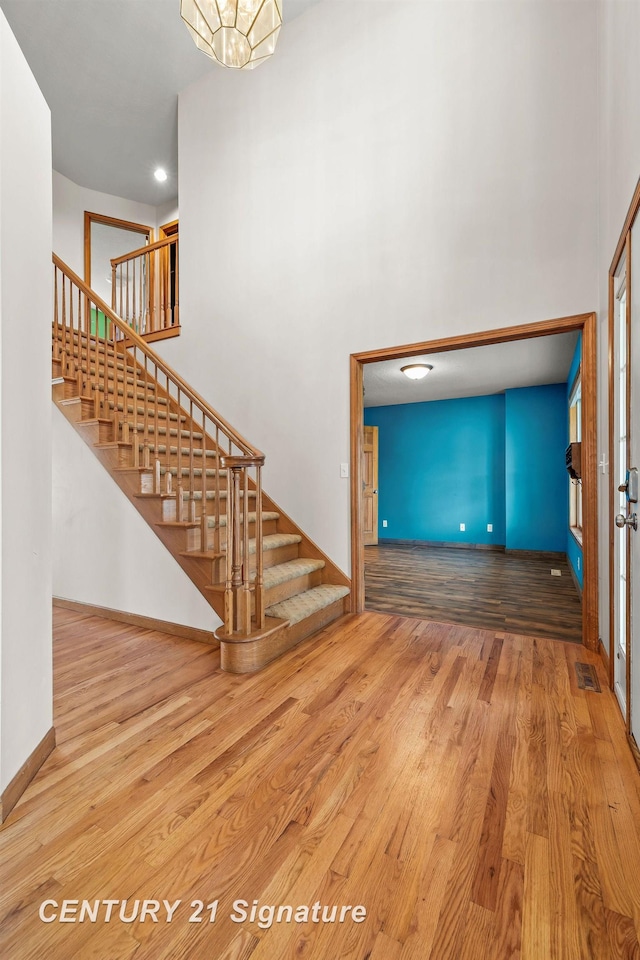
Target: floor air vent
(587, 677)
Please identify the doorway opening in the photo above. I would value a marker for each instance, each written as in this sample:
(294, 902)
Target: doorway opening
(583, 324)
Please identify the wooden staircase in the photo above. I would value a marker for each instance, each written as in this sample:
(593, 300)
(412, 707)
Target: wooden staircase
(193, 478)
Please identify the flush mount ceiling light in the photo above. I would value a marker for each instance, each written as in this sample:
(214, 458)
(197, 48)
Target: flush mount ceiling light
(160, 175)
(416, 371)
(236, 33)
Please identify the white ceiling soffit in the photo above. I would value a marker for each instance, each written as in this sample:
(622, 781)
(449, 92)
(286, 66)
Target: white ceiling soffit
(473, 372)
(111, 71)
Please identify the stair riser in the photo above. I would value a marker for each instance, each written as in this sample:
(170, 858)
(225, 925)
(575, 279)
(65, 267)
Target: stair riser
(172, 460)
(192, 539)
(268, 527)
(147, 483)
(283, 591)
(299, 631)
(216, 569)
(56, 372)
(153, 413)
(169, 507)
(113, 373)
(250, 656)
(96, 431)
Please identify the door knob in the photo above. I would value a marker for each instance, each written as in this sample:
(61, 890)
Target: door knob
(631, 521)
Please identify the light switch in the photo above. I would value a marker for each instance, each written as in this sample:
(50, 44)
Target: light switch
(344, 469)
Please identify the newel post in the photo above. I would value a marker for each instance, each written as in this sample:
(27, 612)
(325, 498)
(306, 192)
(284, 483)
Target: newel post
(237, 595)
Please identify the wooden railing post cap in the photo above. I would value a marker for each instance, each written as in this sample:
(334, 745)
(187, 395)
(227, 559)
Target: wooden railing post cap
(238, 463)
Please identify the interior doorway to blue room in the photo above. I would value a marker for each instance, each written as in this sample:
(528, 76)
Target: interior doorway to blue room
(486, 484)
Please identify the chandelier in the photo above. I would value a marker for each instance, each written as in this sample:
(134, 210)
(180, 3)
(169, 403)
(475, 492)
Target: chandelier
(236, 33)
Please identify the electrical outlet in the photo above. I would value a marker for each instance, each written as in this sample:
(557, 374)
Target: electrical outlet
(489, 528)
(463, 526)
(384, 523)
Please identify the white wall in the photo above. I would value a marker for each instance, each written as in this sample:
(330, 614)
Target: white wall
(69, 204)
(25, 410)
(427, 169)
(131, 570)
(619, 157)
(167, 213)
(104, 553)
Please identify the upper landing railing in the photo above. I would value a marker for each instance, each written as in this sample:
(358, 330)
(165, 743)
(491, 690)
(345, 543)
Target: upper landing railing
(145, 287)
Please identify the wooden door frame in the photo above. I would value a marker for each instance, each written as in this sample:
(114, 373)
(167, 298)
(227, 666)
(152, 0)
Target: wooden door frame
(90, 218)
(586, 323)
(623, 248)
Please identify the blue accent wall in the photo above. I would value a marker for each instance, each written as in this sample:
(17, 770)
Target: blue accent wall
(441, 463)
(536, 478)
(496, 459)
(574, 550)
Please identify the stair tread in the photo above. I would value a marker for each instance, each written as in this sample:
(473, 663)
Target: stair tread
(213, 494)
(274, 540)
(305, 604)
(197, 471)
(197, 452)
(290, 570)
(251, 518)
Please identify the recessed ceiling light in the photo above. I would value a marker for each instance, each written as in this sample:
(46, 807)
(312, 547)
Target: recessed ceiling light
(160, 175)
(416, 371)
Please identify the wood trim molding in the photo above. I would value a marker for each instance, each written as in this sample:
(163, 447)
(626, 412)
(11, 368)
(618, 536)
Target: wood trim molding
(16, 787)
(611, 498)
(90, 218)
(165, 334)
(634, 750)
(357, 440)
(632, 212)
(576, 584)
(590, 622)
(449, 545)
(604, 656)
(168, 229)
(585, 322)
(137, 620)
(524, 331)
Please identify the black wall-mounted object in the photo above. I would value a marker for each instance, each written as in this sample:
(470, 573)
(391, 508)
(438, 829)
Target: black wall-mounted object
(573, 458)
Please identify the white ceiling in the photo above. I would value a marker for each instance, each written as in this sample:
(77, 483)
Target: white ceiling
(473, 372)
(111, 71)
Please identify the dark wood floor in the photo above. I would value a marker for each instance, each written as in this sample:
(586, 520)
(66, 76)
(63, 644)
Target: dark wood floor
(476, 588)
(455, 782)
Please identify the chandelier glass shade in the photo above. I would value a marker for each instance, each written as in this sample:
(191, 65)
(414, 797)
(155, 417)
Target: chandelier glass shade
(236, 33)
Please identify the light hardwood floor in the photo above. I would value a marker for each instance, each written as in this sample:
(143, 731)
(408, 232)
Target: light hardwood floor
(480, 588)
(455, 782)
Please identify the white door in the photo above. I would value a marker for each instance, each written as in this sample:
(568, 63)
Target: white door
(634, 508)
(619, 477)
(626, 460)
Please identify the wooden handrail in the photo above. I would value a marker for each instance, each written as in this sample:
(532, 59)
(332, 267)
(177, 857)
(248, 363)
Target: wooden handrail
(149, 248)
(131, 335)
(143, 404)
